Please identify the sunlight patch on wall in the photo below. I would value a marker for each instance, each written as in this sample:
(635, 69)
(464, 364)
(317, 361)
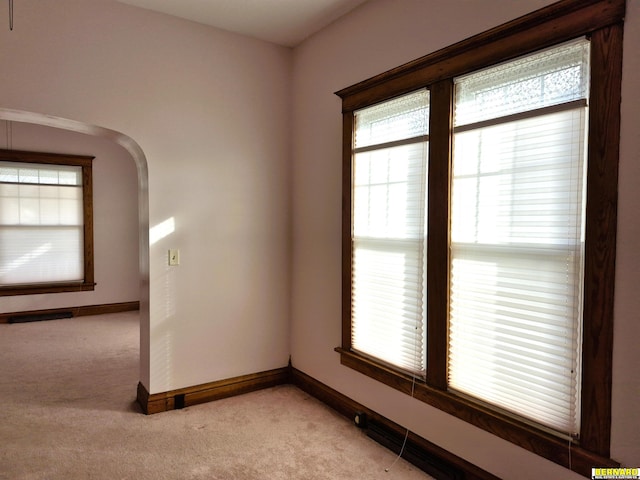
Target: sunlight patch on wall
(161, 230)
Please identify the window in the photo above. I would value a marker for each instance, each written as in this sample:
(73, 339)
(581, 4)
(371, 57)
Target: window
(480, 185)
(46, 231)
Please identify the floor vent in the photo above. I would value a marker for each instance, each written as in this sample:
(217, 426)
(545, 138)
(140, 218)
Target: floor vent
(178, 402)
(38, 317)
(434, 466)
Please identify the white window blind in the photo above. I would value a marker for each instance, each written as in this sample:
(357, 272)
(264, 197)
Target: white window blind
(517, 216)
(389, 195)
(41, 223)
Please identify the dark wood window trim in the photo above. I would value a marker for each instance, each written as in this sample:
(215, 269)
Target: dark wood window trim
(602, 21)
(85, 162)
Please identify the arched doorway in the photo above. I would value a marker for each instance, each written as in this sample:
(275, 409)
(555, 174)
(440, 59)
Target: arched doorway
(139, 159)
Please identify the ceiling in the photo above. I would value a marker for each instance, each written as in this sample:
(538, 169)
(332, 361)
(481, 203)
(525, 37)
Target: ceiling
(284, 22)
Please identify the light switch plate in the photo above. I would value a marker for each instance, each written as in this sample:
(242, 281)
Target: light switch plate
(174, 257)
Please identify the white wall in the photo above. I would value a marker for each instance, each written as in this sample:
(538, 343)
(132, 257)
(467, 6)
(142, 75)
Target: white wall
(210, 111)
(380, 35)
(115, 207)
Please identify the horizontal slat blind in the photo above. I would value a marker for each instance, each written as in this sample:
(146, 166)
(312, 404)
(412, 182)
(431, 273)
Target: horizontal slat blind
(517, 236)
(388, 232)
(41, 223)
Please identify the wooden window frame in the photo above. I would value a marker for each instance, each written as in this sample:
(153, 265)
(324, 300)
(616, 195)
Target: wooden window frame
(602, 22)
(88, 283)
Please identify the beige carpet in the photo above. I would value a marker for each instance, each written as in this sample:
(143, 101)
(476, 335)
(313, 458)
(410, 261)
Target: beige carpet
(67, 411)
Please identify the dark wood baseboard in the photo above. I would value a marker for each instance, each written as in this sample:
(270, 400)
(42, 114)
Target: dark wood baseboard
(74, 311)
(427, 456)
(207, 392)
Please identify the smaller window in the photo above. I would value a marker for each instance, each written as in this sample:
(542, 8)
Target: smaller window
(46, 228)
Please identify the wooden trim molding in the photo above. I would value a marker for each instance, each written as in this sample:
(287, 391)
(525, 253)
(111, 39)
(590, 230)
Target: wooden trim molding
(426, 455)
(44, 157)
(208, 392)
(539, 29)
(438, 240)
(73, 311)
(601, 229)
(504, 426)
(347, 245)
(57, 287)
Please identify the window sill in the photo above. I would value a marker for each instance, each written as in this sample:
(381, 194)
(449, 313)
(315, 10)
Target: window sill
(520, 433)
(33, 289)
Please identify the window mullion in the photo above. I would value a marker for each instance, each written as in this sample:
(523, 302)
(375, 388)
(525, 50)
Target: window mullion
(440, 128)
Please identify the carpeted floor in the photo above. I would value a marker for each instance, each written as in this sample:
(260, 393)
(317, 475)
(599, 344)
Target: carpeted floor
(67, 396)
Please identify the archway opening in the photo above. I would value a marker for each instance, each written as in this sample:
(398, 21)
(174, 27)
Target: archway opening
(132, 148)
